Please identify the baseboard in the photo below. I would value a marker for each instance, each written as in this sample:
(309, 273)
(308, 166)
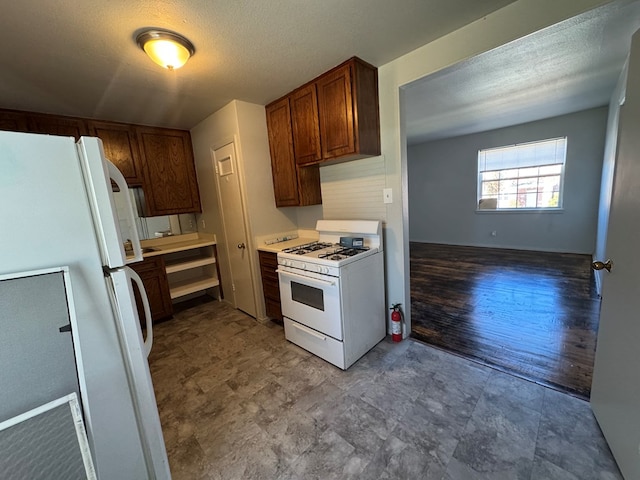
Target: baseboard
(505, 247)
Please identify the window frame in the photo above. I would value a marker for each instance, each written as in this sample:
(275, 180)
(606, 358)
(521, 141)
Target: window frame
(479, 181)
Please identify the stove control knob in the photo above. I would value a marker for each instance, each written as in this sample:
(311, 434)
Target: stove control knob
(303, 266)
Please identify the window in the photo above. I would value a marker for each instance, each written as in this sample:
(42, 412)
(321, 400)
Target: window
(523, 176)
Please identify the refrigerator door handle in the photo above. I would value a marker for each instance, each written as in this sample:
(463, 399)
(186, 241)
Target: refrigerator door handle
(99, 175)
(118, 179)
(148, 342)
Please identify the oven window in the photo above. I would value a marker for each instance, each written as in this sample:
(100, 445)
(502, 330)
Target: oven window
(310, 296)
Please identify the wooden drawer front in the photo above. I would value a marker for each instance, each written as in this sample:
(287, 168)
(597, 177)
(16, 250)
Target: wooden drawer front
(270, 285)
(268, 259)
(271, 291)
(273, 309)
(148, 264)
(269, 276)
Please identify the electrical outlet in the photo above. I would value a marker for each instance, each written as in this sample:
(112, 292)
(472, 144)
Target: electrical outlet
(387, 195)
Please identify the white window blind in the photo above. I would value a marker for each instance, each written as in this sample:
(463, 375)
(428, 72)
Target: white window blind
(523, 176)
(533, 154)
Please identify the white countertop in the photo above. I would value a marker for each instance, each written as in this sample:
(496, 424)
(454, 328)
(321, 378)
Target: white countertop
(177, 243)
(278, 247)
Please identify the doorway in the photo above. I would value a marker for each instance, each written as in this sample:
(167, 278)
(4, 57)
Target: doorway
(449, 122)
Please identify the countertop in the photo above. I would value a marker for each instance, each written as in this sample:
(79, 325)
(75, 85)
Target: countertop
(177, 243)
(278, 247)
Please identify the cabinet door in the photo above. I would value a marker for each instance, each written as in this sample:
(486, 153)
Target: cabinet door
(170, 184)
(120, 147)
(154, 278)
(335, 105)
(305, 125)
(270, 285)
(55, 125)
(285, 181)
(13, 121)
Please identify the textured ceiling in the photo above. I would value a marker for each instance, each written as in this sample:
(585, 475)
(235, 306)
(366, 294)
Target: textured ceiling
(568, 67)
(79, 57)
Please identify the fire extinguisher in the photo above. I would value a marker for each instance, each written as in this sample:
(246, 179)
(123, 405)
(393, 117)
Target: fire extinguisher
(396, 322)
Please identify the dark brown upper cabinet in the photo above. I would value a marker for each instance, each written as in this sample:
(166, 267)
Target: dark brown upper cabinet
(349, 114)
(120, 147)
(293, 185)
(170, 183)
(305, 125)
(57, 125)
(334, 118)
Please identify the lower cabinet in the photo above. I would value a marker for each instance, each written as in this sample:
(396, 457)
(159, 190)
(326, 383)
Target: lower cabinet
(154, 277)
(270, 285)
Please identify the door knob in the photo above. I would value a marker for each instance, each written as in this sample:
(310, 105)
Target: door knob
(241, 245)
(599, 265)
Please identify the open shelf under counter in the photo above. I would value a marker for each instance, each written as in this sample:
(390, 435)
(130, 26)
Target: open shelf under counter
(180, 264)
(191, 285)
(190, 263)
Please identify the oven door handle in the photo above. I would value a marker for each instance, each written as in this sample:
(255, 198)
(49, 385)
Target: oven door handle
(307, 279)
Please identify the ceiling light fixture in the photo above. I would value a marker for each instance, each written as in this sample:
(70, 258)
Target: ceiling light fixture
(168, 49)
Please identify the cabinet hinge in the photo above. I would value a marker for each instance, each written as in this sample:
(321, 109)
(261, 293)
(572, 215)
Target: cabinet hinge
(233, 287)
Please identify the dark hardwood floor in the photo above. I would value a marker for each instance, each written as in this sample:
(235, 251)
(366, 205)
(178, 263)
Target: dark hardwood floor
(534, 314)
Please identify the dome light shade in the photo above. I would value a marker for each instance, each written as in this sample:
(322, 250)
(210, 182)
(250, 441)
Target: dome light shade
(167, 49)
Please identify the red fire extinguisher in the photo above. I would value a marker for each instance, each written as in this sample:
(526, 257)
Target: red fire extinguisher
(396, 322)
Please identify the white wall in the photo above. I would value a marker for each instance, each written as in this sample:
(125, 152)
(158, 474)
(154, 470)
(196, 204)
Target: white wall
(608, 169)
(245, 124)
(498, 28)
(443, 183)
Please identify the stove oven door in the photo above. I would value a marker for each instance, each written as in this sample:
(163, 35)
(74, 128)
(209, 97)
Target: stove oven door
(312, 300)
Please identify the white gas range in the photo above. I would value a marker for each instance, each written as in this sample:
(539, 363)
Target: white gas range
(332, 291)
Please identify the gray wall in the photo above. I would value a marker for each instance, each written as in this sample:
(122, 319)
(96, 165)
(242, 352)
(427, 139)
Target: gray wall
(443, 184)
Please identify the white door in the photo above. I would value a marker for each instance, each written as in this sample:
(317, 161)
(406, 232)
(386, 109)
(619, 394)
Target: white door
(615, 392)
(233, 219)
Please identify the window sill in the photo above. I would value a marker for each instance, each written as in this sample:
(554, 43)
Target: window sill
(519, 210)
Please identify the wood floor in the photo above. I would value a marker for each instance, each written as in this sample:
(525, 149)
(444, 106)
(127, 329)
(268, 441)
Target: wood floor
(534, 314)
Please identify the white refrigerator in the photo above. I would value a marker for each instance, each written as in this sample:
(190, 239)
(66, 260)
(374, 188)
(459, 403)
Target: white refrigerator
(57, 213)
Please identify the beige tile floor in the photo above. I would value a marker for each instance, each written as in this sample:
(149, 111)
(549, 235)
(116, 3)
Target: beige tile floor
(237, 401)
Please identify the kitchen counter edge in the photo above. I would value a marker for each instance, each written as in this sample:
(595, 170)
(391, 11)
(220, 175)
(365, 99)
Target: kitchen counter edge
(177, 243)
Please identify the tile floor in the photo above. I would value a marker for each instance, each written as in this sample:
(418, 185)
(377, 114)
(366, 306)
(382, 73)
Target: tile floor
(237, 401)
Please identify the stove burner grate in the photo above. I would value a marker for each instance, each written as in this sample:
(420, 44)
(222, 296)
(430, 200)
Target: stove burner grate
(341, 253)
(307, 248)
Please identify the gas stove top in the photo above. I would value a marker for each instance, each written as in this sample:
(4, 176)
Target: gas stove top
(326, 250)
(327, 255)
(309, 256)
